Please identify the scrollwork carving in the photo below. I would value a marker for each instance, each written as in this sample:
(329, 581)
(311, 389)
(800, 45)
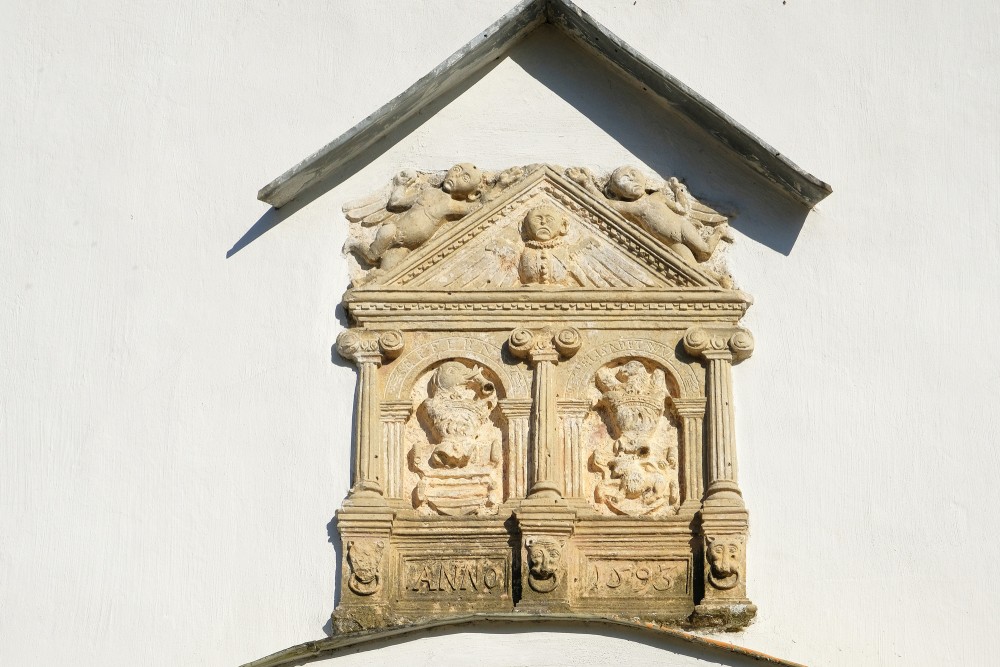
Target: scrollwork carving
(359, 345)
(731, 343)
(544, 344)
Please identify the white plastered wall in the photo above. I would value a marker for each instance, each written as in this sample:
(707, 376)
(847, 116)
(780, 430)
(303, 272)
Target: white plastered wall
(173, 434)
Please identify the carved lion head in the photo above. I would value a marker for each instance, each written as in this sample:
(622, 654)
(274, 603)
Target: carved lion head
(724, 557)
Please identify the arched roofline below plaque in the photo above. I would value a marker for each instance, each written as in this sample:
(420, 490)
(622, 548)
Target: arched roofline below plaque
(681, 375)
(330, 647)
(414, 363)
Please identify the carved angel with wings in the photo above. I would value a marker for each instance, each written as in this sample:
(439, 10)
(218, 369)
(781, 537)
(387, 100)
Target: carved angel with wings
(416, 207)
(670, 213)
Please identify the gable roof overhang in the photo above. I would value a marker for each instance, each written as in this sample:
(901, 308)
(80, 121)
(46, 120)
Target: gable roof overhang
(499, 37)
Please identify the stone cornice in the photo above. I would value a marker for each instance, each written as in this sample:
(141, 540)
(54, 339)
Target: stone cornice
(326, 648)
(405, 309)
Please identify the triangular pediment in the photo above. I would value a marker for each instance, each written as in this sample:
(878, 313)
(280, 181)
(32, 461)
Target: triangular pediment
(490, 251)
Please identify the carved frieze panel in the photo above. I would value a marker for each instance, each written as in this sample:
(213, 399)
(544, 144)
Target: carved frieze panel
(644, 578)
(455, 578)
(544, 405)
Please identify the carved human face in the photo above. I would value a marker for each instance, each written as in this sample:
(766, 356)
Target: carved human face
(543, 557)
(463, 179)
(364, 558)
(627, 183)
(544, 223)
(724, 554)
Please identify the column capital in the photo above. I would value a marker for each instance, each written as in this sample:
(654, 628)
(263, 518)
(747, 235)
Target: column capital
(689, 407)
(362, 345)
(544, 344)
(516, 407)
(732, 344)
(573, 407)
(396, 410)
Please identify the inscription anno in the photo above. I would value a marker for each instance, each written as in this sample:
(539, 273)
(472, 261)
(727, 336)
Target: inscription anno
(628, 578)
(469, 576)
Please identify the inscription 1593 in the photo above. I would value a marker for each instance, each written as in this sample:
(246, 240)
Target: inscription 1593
(636, 578)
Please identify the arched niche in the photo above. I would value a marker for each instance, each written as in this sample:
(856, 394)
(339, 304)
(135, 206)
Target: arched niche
(414, 363)
(630, 431)
(681, 378)
(443, 454)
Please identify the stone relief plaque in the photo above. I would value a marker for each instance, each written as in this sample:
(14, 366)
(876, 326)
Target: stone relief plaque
(636, 578)
(544, 401)
(455, 577)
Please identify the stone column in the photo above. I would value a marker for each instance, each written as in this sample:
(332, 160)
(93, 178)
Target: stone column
(572, 413)
(366, 349)
(690, 412)
(720, 348)
(724, 602)
(543, 349)
(518, 414)
(544, 519)
(394, 416)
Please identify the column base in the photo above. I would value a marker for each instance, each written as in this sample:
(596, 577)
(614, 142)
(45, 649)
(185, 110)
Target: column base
(582, 506)
(723, 493)
(689, 507)
(359, 618)
(545, 490)
(725, 615)
(365, 497)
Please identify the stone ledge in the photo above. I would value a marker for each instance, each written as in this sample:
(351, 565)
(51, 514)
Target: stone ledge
(329, 647)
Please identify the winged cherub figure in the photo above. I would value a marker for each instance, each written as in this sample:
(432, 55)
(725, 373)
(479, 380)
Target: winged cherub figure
(671, 213)
(415, 210)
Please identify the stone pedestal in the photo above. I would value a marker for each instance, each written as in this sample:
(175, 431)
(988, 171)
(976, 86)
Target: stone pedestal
(366, 571)
(545, 526)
